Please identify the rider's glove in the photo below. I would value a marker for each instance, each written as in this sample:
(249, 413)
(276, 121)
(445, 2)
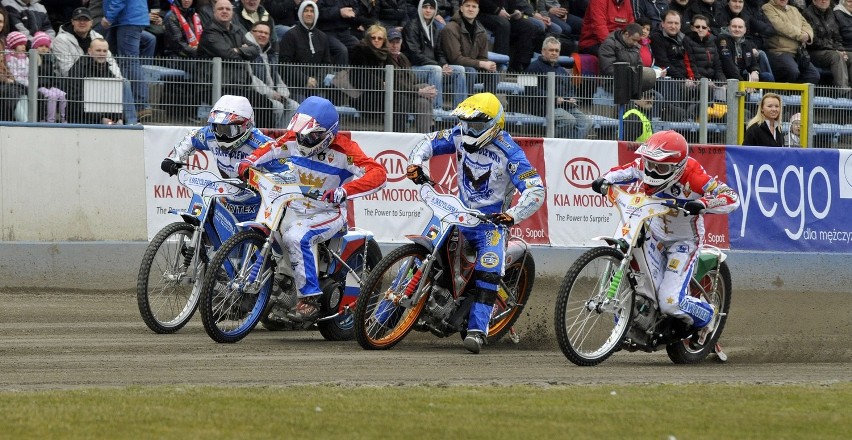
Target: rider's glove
(694, 207)
(600, 186)
(336, 195)
(501, 218)
(415, 174)
(243, 170)
(170, 166)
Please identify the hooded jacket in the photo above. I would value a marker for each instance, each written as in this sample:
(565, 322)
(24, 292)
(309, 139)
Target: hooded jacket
(303, 48)
(422, 41)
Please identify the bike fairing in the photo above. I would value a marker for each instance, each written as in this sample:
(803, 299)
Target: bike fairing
(674, 240)
(487, 180)
(342, 164)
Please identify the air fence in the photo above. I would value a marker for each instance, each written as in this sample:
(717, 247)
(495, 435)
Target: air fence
(166, 91)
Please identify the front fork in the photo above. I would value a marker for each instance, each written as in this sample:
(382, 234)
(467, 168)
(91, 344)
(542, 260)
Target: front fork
(253, 276)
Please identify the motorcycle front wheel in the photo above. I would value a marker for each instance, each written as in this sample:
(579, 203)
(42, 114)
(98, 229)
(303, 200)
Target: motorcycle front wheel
(590, 325)
(341, 327)
(380, 320)
(232, 299)
(719, 294)
(168, 285)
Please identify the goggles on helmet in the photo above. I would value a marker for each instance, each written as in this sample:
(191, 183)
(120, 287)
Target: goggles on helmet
(658, 167)
(475, 128)
(311, 138)
(228, 131)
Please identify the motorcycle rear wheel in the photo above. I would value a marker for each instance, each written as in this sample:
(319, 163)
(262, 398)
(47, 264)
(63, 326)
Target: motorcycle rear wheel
(688, 351)
(381, 323)
(341, 327)
(167, 289)
(513, 304)
(229, 312)
(589, 328)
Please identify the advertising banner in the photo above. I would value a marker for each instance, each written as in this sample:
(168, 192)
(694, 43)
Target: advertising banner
(792, 199)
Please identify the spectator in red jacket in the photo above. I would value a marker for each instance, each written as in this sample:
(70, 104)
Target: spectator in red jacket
(602, 17)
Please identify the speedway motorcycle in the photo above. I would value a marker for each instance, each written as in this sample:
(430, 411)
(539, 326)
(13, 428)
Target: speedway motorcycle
(172, 269)
(424, 285)
(250, 278)
(608, 300)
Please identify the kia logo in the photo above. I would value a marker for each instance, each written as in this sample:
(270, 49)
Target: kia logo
(580, 172)
(198, 161)
(394, 163)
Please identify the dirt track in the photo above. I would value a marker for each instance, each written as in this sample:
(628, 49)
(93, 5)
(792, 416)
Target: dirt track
(60, 340)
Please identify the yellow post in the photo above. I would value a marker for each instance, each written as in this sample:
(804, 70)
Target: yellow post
(805, 104)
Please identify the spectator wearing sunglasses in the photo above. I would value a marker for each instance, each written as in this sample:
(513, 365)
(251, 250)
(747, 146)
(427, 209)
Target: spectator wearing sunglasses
(702, 55)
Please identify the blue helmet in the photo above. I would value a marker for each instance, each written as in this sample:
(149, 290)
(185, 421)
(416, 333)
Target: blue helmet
(315, 123)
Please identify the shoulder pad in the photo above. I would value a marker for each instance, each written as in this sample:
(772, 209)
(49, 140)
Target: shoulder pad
(505, 144)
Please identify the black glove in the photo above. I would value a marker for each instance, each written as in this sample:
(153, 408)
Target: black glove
(601, 186)
(170, 166)
(501, 218)
(694, 207)
(415, 174)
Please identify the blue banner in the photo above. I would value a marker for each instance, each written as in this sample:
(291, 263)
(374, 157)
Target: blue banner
(792, 199)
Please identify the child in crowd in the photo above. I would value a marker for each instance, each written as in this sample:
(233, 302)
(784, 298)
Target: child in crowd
(17, 60)
(48, 78)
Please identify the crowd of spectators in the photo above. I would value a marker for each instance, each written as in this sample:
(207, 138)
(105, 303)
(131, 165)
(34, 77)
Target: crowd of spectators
(446, 46)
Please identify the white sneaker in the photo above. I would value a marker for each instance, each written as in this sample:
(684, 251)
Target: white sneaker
(474, 341)
(708, 329)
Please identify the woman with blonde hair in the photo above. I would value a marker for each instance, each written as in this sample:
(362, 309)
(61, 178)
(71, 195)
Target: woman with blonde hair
(764, 129)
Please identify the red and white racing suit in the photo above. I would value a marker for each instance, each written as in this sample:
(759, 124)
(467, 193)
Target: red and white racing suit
(671, 249)
(308, 222)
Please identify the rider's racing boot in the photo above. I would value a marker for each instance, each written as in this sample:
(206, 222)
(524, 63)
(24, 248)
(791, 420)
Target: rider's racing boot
(477, 324)
(708, 329)
(307, 309)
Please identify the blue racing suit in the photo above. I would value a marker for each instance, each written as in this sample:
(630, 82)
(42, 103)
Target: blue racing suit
(487, 180)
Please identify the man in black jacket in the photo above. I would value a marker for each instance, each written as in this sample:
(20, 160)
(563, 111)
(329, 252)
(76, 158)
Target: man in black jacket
(336, 18)
(224, 40)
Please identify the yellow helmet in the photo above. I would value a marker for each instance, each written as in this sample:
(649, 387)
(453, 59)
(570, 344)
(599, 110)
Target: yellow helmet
(481, 118)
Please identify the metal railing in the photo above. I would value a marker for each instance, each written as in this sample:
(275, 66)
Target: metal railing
(181, 92)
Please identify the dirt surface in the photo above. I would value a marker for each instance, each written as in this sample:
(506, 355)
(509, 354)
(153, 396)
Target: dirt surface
(60, 340)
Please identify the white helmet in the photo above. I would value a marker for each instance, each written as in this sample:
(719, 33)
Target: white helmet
(231, 120)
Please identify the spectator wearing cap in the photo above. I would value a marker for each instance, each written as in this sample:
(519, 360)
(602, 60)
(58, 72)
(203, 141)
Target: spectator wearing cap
(16, 57)
(422, 46)
(792, 138)
(73, 41)
(465, 42)
(50, 85)
(125, 22)
(416, 97)
(28, 17)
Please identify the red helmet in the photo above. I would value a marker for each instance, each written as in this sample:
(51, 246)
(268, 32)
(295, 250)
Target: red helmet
(664, 157)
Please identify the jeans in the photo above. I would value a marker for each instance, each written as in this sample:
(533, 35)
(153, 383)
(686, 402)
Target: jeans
(571, 123)
(131, 42)
(433, 74)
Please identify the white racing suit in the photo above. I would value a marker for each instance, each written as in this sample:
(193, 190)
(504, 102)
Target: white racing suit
(203, 139)
(308, 222)
(487, 180)
(671, 249)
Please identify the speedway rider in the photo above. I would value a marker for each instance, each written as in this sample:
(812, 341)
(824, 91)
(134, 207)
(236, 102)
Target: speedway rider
(335, 166)
(491, 166)
(230, 135)
(666, 171)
